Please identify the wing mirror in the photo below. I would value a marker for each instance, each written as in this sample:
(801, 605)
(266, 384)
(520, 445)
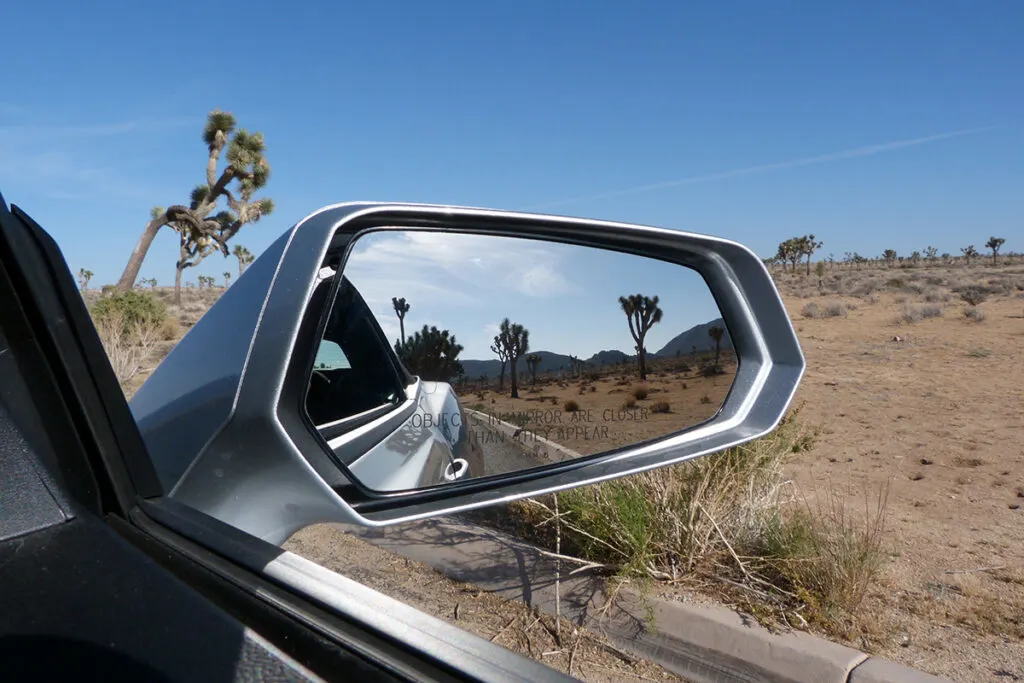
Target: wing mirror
(382, 363)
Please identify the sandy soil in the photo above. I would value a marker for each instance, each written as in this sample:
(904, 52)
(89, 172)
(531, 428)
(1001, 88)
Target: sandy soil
(936, 408)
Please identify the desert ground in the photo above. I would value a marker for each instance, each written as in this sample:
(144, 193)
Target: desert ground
(610, 407)
(917, 396)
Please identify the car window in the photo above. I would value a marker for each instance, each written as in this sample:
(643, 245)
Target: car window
(353, 371)
(329, 356)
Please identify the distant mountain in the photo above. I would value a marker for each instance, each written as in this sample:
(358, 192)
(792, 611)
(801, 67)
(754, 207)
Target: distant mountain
(553, 362)
(695, 336)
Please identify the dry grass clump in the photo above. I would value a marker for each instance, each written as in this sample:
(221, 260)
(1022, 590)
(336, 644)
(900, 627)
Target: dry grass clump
(831, 309)
(973, 314)
(729, 523)
(129, 344)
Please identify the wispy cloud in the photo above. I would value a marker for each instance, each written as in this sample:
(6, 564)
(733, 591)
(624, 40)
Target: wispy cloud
(76, 161)
(866, 151)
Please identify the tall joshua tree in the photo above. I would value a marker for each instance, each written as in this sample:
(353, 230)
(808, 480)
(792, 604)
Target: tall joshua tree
(244, 257)
(642, 313)
(995, 243)
(532, 361)
(499, 350)
(246, 172)
(515, 340)
(716, 332)
(401, 308)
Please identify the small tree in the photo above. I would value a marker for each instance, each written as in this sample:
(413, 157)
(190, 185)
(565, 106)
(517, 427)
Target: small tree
(401, 308)
(642, 313)
(807, 246)
(244, 257)
(515, 340)
(246, 166)
(995, 243)
(532, 361)
(969, 252)
(432, 354)
(716, 332)
(83, 278)
(227, 279)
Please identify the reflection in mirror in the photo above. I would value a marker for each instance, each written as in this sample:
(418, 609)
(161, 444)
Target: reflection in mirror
(450, 356)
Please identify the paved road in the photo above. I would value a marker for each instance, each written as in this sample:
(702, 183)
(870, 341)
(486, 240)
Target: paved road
(502, 453)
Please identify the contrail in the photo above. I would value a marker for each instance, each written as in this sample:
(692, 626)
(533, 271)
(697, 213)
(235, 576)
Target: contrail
(867, 151)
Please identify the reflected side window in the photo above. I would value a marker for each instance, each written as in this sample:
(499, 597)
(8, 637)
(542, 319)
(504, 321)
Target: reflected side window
(353, 371)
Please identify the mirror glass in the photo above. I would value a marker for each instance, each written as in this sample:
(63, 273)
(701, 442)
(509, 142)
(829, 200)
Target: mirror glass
(448, 356)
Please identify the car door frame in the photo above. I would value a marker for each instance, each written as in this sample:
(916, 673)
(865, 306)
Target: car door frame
(293, 603)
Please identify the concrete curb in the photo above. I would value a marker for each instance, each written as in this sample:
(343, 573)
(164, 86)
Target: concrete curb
(703, 644)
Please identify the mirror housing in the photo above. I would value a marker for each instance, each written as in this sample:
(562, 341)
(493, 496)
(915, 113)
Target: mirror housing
(223, 415)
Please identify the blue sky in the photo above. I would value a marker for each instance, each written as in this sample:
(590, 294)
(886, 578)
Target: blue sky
(873, 124)
(565, 295)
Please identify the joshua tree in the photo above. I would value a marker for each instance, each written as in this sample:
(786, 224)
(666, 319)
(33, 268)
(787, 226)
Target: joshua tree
(193, 248)
(227, 279)
(499, 350)
(994, 243)
(930, 253)
(789, 251)
(969, 252)
(889, 256)
(642, 313)
(532, 361)
(716, 332)
(915, 257)
(83, 278)
(807, 246)
(401, 308)
(246, 166)
(432, 354)
(515, 340)
(244, 257)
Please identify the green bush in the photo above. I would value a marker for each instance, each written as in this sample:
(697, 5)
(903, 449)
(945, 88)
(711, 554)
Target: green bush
(133, 309)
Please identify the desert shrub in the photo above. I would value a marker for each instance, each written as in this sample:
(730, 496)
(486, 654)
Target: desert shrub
(973, 314)
(811, 310)
(935, 280)
(705, 399)
(593, 376)
(729, 521)
(640, 393)
(711, 370)
(593, 389)
(661, 407)
(935, 297)
(685, 385)
(979, 353)
(895, 283)
(973, 295)
(629, 403)
(908, 315)
(570, 406)
(132, 309)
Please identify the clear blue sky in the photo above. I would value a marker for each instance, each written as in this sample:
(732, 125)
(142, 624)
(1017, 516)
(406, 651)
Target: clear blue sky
(565, 295)
(558, 106)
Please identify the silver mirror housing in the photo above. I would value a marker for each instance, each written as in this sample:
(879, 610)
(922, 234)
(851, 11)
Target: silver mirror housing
(223, 415)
